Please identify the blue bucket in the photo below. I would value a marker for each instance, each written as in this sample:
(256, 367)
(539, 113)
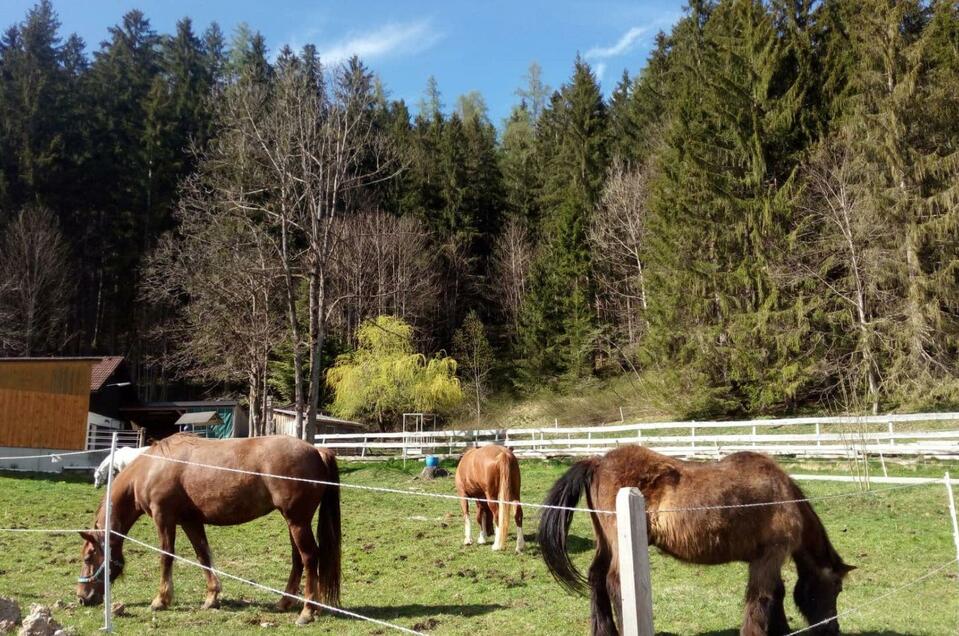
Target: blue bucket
(432, 461)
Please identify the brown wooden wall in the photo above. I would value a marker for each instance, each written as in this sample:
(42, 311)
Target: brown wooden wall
(44, 404)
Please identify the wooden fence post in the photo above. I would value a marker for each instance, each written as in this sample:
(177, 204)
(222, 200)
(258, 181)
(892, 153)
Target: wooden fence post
(634, 579)
(952, 513)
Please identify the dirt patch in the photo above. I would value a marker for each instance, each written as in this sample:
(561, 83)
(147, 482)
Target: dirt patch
(425, 626)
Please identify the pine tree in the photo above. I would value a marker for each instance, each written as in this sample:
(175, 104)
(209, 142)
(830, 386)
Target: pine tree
(557, 323)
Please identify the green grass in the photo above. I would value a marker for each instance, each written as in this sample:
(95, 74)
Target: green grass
(404, 562)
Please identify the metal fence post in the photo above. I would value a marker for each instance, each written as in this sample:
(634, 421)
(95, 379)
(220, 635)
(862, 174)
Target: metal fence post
(107, 535)
(634, 579)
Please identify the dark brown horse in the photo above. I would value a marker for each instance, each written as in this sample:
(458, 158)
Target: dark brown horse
(490, 472)
(763, 536)
(177, 494)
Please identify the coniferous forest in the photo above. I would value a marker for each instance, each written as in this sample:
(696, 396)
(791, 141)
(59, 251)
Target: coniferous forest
(764, 218)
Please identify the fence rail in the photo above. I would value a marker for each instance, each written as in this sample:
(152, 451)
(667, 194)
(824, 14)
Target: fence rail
(100, 437)
(844, 436)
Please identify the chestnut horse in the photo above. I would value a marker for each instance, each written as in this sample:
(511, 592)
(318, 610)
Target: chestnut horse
(763, 536)
(490, 472)
(178, 494)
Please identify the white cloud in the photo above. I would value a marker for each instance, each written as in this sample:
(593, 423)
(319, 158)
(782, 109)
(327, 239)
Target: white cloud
(599, 69)
(390, 39)
(623, 45)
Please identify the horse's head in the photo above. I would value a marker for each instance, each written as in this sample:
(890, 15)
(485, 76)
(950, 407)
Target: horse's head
(90, 582)
(816, 595)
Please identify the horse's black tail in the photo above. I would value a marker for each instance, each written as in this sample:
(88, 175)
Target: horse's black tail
(554, 524)
(328, 534)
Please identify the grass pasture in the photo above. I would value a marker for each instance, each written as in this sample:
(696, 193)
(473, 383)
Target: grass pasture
(404, 562)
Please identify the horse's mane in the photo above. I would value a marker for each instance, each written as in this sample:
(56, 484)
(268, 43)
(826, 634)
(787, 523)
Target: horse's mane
(163, 447)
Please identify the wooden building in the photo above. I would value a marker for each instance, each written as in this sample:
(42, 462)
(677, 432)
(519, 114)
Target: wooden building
(44, 402)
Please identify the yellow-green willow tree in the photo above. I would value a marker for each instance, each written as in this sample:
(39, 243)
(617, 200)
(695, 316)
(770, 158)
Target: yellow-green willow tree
(386, 377)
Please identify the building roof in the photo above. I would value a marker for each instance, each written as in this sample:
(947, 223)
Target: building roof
(102, 370)
(182, 405)
(203, 418)
(103, 366)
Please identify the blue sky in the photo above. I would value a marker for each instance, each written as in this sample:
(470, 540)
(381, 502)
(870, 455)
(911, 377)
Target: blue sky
(469, 45)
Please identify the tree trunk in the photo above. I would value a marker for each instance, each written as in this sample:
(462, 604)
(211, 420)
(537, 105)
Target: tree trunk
(916, 321)
(309, 431)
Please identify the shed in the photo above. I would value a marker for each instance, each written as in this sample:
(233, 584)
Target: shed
(284, 423)
(162, 419)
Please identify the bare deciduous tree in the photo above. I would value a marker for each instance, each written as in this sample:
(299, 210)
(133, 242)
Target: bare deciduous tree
(618, 237)
(36, 284)
(848, 251)
(474, 356)
(219, 279)
(314, 149)
(383, 266)
(512, 257)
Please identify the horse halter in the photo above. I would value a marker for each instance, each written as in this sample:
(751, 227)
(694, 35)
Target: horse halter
(98, 575)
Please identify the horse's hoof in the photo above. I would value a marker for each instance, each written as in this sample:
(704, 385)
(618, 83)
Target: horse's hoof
(214, 604)
(481, 541)
(497, 548)
(158, 605)
(304, 619)
(468, 542)
(284, 604)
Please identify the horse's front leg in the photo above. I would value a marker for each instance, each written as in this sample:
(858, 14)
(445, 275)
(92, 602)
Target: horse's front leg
(764, 614)
(166, 532)
(309, 556)
(197, 536)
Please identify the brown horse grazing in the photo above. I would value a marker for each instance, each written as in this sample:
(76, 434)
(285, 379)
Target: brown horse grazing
(177, 494)
(763, 536)
(490, 472)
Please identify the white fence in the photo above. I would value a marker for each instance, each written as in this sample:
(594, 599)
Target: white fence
(99, 437)
(919, 434)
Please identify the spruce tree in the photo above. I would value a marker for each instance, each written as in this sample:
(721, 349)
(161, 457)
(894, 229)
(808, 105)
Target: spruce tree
(557, 321)
(722, 207)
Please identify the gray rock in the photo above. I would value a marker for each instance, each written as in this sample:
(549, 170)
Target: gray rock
(39, 622)
(9, 615)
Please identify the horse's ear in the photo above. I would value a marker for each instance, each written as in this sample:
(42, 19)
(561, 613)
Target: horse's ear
(88, 536)
(845, 569)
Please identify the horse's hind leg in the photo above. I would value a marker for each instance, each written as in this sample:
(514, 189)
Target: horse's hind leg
(309, 556)
(292, 583)
(484, 518)
(167, 534)
(600, 575)
(467, 529)
(197, 536)
(520, 539)
(764, 614)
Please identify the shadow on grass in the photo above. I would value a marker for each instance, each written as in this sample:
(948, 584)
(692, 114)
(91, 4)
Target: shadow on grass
(578, 545)
(416, 610)
(70, 476)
